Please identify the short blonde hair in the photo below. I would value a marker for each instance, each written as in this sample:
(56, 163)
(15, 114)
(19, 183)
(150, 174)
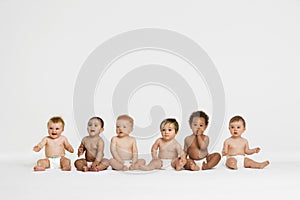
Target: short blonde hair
(126, 117)
(170, 121)
(56, 119)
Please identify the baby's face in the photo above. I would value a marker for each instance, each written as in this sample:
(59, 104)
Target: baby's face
(168, 132)
(94, 127)
(198, 125)
(236, 128)
(123, 127)
(55, 129)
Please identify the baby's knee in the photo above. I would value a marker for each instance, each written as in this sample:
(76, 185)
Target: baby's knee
(43, 163)
(231, 163)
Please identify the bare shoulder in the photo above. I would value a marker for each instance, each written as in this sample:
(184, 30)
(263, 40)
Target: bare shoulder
(189, 137)
(244, 140)
(228, 140)
(114, 139)
(132, 139)
(177, 143)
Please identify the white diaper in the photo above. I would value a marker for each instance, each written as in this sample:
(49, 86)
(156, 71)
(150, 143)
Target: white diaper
(199, 162)
(166, 164)
(239, 159)
(89, 164)
(127, 163)
(54, 162)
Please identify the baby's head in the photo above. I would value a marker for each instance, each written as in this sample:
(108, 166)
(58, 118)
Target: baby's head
(95, 126)
(101, 122)
(237, 126)
(124, 125)
(169, 128)
(236, 119)
(55, 127)
(198, 122)
(199, 114)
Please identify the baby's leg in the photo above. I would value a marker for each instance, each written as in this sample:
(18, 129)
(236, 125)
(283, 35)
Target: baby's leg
(231, 163)
(42, 164)
(103, 165)
(191, 165)
(211, 161)
(248, 163)
(154, 164)
(116, 165)
(81, 165)
(65, 164)
(138, 164)
(178, 163)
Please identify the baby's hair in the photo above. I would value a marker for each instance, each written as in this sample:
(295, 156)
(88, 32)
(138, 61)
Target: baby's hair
(199, 114)
(98, 118)
(170, 121)
(238, 118)
(56, 119)
(126, 117)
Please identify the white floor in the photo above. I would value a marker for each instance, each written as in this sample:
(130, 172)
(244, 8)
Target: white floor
(279, 179)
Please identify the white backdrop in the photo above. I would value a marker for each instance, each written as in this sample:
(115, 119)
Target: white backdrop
(254, 45)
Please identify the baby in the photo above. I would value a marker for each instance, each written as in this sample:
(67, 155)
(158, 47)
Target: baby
(236, 147)
(166, 151)
(55, 145)
(123, 147)
(195, 145)
(93, 146)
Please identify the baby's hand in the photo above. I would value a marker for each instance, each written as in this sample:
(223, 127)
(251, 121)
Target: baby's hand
(94, 165)
(36, 148)
(70, 149)
(257, 149)
(80, 151)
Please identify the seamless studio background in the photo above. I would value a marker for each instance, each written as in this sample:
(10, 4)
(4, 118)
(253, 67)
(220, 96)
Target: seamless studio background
(254, 46)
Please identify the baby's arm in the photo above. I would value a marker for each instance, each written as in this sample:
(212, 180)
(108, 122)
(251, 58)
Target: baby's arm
(154, 149)
(81, 149)
(202, 141)
(180, 152)
(113, 150)
(185, 147)
(40, 145)
(68, 146)
(100, 150)
(225, 148)
(134, 152)
(250, 151)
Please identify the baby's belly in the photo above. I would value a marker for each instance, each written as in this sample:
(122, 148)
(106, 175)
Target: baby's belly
(125, 155)
(197, 155)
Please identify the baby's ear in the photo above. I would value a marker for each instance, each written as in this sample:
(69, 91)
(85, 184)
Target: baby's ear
(101, 130)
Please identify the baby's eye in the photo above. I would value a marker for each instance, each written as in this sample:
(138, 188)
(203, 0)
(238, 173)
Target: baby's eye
(238, 127)
(201, 125)
(50, 128)
(169, 129)
(163, 129)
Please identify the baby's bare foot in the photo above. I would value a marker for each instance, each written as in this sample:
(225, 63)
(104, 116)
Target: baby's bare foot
(125, 168)
(38, 168)
(204, 165)
(179, 165)
(101, 167)
(264, 164)
(193, 166)
(66, 168)
(85, 169)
